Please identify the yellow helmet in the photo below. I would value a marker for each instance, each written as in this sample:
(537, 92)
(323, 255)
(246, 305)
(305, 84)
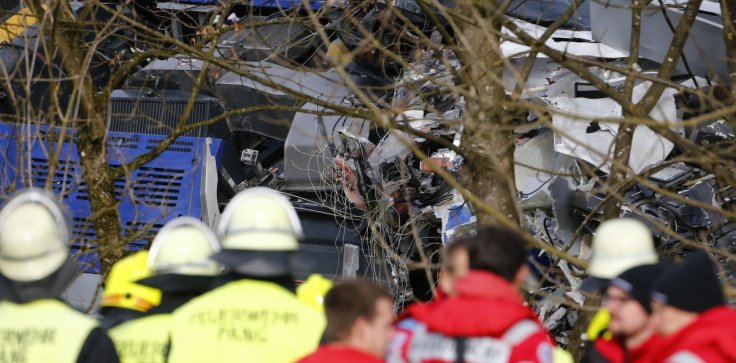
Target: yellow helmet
(184, 247)
(312, 292)
(122, 291)
(34, 236)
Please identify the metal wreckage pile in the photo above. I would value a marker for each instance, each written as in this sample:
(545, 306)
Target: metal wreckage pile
(563, 162)
(369, 206)
(562, 165)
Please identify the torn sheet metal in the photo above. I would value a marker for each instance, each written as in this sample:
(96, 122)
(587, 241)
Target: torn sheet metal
(461, 221)
(555, 318)
(564, 82)
(389, 148)
(705, 49)
(563, 191)
(538, 80)
(577, 137)
(577, 43)
(536, 164)
(548, 11)
(712, 133)
(544, 228)
(692, 216)
(457, 218)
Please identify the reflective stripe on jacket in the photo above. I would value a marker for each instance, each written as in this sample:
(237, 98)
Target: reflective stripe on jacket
(485, 321)
(710, 338)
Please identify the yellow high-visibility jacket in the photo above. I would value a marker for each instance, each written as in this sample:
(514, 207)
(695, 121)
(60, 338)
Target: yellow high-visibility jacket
(245, 321)
(42, 331)
(143, 340)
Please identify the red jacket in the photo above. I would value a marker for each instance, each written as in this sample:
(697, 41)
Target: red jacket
(613, 351)
(339, 354)
(711, 338)
(485, 321)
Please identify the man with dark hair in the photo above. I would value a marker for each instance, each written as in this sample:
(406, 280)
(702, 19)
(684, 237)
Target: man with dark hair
(359, 324)
(690, 311)
(631, 334)
(481, 316)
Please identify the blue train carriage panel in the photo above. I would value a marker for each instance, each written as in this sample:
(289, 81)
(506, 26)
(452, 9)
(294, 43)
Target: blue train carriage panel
(6, 175)
(173, 184)
(288, 4)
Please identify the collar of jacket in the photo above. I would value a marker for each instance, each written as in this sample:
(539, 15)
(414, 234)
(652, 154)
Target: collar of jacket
(484, 305)
(486, 286)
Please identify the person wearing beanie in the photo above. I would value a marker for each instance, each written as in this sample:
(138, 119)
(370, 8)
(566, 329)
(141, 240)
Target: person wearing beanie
(690, 311)
(631, 333)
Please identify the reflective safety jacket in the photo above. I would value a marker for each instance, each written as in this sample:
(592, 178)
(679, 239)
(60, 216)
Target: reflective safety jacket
(709, 339)
(143, 340)
(598, 327)
(146, 339)
(245, 320)
(42, 331)
(486, 321)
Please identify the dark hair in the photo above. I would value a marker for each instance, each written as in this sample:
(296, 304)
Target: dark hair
(495, 249)
(348, 301)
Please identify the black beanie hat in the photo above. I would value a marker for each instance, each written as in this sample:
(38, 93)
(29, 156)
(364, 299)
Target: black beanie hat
(637, 282)
(691, 285)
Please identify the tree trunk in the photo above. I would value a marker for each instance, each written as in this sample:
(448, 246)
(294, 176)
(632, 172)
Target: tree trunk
(487, 137)
(625, 135)
(66, 32)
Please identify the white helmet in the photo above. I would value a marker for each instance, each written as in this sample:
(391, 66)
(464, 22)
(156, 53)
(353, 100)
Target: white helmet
(619, 244)
(34, 236)
(183, 246)
(259, 219)
(258, 230)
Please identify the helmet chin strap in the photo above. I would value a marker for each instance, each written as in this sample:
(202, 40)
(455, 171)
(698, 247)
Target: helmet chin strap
(50, 287)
